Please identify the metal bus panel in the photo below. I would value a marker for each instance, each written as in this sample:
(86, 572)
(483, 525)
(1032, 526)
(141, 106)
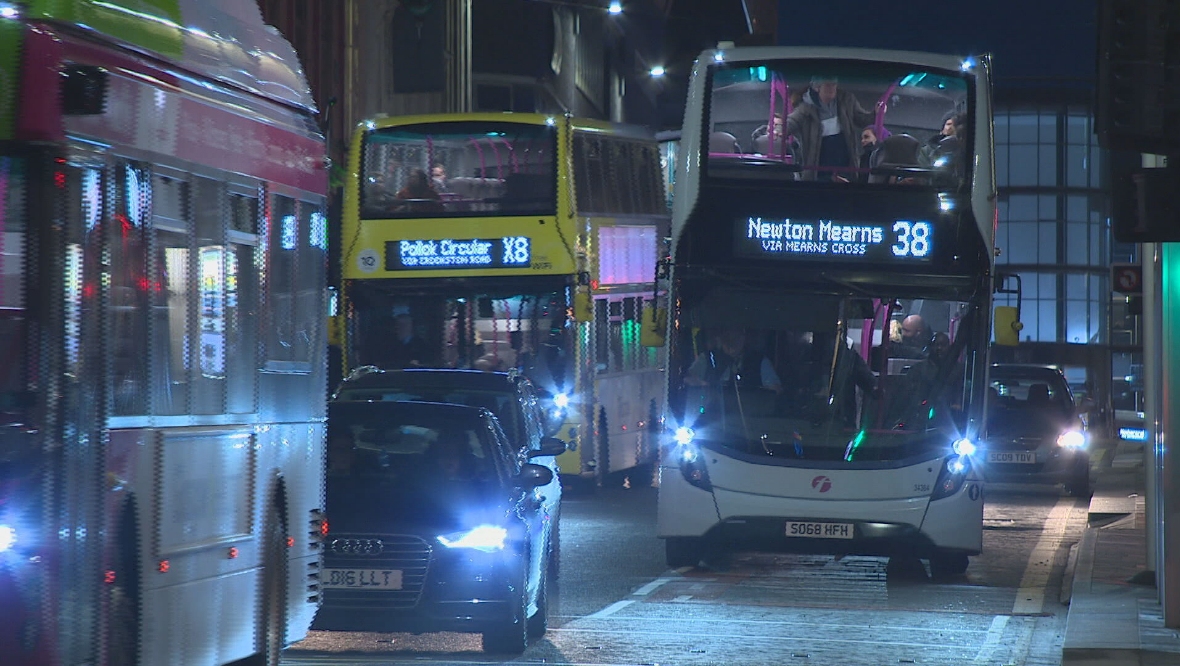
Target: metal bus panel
(112, 485)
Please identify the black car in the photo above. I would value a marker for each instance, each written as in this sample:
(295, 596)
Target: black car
(1034, 432)
(508, 395)
(434, 525)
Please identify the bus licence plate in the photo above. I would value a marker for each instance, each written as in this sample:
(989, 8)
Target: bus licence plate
(373, 579)
(1023, 457)
(821, 530)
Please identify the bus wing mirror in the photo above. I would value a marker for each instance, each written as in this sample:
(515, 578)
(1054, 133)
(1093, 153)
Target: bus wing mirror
(1007, 325)
(655, 322)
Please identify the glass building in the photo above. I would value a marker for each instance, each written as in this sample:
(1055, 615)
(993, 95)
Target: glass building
(1054, 233)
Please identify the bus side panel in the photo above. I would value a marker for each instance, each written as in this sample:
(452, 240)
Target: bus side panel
(956, 522)
(176, 632)
(683, 509)
(627, 399)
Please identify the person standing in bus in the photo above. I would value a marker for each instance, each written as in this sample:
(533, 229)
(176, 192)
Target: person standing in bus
(827, 123)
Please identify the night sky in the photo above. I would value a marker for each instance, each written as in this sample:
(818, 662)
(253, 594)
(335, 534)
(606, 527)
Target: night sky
(1027, 38)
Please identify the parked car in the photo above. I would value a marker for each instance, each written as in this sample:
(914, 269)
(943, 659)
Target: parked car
(510, 396)
(1034, 432)
(434, 525)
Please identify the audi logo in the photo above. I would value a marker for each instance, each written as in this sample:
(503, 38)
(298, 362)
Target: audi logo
(357, 546)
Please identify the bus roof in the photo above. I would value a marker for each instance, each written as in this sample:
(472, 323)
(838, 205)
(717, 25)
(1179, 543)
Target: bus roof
(761, 54)
(582, 124)
(225, 40)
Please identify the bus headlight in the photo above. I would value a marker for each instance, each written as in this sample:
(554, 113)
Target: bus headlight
(951, 477)
(486, 538)
(964, 447)
(684, 435)
(1071, 439)
(561, 401)
(7, 538)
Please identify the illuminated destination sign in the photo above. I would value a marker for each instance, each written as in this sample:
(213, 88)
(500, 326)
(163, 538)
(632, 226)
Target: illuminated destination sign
(505, 252)
(899, 240)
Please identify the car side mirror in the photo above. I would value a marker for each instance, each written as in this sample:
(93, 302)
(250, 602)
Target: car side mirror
(550, 446)
(533, 476)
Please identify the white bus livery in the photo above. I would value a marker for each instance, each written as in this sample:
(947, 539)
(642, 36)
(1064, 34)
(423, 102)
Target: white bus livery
(830, 289)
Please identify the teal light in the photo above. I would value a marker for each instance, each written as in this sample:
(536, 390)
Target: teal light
(762, 73)
(856, 442)
(931, 416)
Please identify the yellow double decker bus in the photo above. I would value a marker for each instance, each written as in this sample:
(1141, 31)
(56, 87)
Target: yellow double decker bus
(509, 242)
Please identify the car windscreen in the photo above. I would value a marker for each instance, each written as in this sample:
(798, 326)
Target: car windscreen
(1028, 403)
(367, 440)
(503, 404)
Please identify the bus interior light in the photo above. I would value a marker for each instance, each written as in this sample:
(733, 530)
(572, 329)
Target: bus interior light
(968, 64)
(719, 56)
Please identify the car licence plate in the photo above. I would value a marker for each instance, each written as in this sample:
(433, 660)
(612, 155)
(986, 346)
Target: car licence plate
(353, 579)
(1023, 457)
(820, 530)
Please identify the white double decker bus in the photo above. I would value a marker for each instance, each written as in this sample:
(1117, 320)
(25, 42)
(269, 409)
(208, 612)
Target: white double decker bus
(830, 290)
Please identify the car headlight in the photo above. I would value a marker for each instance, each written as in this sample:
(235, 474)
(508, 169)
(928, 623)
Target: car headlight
(7, 537)
(1071, 439)
(486, 538)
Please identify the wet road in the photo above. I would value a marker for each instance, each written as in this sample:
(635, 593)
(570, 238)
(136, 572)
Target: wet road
(617, 603)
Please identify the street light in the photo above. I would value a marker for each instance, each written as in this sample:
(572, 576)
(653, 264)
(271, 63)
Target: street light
(616, 7)
(657, 71)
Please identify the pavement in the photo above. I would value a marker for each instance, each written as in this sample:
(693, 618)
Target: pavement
(1114, 616)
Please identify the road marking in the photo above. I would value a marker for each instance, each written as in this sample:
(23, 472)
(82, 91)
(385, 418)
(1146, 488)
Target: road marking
(610, 610)
(994, 634)
(652, 586)
(938, 641)
(683, 598)
(1030, 597)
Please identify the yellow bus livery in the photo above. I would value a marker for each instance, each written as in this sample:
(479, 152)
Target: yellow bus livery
(508, 241)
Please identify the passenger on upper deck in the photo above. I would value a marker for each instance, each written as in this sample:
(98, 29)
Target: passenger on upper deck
(868, 145)
(947, 144)
(438, 178)
(421, 196)
(827, 123)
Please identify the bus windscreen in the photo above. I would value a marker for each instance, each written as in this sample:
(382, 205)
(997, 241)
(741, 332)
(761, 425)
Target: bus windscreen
(459, 169)
(839, 121)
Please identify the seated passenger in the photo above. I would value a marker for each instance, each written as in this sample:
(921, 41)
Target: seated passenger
(422, 197)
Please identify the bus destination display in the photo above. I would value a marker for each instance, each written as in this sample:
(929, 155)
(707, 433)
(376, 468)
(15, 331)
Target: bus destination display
(505, 252)
(905, 241)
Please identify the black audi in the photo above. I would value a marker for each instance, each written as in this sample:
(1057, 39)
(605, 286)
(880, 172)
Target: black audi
(435, 524)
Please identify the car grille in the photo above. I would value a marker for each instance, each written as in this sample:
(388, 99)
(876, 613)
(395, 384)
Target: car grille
(408, 554)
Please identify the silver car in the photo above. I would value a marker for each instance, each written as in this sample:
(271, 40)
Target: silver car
(1034, 432)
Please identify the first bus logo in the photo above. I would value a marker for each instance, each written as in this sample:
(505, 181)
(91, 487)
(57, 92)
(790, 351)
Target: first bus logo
(821, 483)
